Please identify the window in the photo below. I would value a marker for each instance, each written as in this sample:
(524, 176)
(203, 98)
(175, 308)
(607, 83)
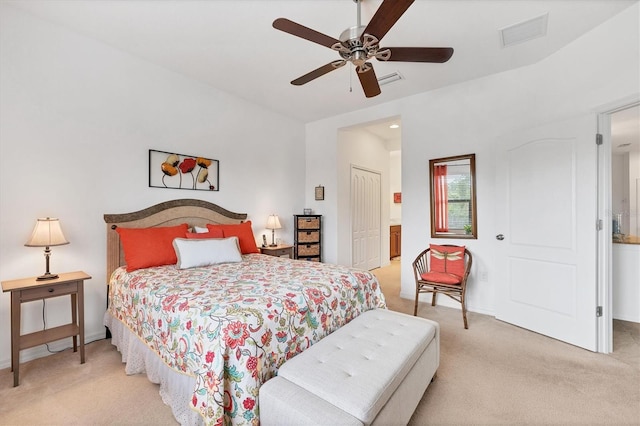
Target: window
(459, 196)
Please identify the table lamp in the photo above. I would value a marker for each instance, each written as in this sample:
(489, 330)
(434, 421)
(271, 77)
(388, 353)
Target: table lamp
(273, 223)
(47, 233)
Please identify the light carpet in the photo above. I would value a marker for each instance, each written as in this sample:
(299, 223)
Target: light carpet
(491, 374)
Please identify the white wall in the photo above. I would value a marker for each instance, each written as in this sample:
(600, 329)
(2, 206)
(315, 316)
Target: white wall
(395, 185)
(77, 119)
(598, 68)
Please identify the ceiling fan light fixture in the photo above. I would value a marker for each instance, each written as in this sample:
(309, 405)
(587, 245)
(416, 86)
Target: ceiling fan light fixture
(360, 43)
(524, 31)
(390, 78)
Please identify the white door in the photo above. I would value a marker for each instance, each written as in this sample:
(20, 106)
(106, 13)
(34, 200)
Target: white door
(546, 226)
(365, 219)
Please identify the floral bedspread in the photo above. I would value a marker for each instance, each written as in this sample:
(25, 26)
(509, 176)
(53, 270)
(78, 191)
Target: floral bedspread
(232, 325)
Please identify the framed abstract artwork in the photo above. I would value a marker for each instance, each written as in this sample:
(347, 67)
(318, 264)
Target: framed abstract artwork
(180, 171)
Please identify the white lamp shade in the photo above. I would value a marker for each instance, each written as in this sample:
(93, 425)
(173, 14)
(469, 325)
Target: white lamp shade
(273, 222)
(47, 233)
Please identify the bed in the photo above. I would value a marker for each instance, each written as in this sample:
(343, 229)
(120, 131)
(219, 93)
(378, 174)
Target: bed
(211, 335)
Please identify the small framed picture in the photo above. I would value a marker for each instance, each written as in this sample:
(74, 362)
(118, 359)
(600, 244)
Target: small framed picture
(319, 193)
(307, 211)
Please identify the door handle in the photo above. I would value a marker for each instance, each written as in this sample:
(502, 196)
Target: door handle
(499, 237)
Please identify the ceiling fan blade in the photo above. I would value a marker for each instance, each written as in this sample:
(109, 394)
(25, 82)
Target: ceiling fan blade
(418, 54)
(368, 80)
(386, 16)
(318, 72)
(301, 31)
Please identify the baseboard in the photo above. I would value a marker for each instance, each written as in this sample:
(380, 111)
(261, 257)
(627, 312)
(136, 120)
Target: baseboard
(628, 318)
(41, 351)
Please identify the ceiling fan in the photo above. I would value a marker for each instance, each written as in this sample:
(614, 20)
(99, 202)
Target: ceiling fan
(359, 44)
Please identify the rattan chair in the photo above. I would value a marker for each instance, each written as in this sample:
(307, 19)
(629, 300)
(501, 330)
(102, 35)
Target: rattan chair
(456, 291)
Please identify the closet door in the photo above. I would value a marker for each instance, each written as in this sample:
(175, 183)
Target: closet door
(365, 218)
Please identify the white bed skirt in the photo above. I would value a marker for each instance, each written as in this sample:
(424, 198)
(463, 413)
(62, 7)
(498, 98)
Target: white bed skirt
(176, 389)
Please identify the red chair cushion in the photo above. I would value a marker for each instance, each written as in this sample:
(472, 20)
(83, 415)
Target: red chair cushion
(447, 259)
(441, 277)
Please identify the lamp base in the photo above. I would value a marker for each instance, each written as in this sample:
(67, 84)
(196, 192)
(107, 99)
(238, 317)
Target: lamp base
(47, 276)
(273, 245)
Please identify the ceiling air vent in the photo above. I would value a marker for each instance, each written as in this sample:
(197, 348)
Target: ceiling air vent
(524, 31)
(390, 78)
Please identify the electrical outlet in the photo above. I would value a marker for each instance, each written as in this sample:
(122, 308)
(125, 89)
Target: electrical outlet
(484, 276)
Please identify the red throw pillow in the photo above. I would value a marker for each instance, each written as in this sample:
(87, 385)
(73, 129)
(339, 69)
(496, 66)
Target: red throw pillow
(215, 233)
(448, 259)
(244, 233)
(147, 247)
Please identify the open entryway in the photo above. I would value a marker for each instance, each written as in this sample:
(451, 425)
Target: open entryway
(369, 172)
(618, 206)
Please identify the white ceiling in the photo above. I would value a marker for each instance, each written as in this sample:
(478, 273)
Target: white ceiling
(232, 46)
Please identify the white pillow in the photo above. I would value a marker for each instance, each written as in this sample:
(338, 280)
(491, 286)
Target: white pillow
(192, 253)
(200, 229)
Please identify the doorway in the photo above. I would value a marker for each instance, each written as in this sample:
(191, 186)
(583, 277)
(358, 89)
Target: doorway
(619, 194)
(373, 146)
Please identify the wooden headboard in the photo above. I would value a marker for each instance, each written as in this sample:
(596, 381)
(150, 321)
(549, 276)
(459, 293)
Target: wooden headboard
(169, 213)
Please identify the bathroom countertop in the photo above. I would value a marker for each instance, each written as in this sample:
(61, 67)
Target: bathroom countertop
(628, 239)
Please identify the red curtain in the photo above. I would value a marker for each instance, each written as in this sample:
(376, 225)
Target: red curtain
(440, 198)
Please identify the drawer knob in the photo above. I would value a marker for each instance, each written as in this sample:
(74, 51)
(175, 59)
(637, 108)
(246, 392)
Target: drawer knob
(51, 290)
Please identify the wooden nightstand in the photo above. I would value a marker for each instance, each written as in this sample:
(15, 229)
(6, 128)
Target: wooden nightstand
(279, 251)
(29, 289)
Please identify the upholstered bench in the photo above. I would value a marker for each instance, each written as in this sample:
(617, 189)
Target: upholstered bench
(374, 370)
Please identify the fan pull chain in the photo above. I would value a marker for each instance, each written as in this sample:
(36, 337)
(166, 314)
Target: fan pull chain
(350, 82)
